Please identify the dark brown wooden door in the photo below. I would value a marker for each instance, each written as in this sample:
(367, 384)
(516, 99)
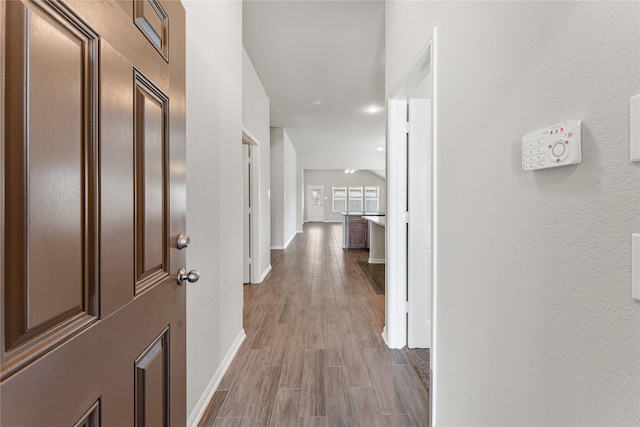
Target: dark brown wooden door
(93, 145)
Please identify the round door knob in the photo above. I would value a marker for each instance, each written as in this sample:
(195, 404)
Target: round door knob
(191, 276)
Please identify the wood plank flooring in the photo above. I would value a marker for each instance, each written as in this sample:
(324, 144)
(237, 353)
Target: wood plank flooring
(314, 355)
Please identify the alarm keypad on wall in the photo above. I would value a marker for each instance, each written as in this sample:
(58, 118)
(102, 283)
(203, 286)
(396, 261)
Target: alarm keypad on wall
(557, 145)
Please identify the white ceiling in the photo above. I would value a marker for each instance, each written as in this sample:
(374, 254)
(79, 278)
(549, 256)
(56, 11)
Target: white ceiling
(329, 50)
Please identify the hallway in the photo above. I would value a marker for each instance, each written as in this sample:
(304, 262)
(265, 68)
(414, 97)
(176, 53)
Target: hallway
(314, 355)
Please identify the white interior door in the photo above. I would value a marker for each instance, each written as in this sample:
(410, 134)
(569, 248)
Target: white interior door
(419, 171)
(246, 213)
(315, 203)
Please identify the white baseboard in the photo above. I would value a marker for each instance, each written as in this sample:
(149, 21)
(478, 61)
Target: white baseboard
(299, 231)
(333, 220)
(289, 241)
(376, 260)
(203, 402)
(264, 274)
(384, 335)
(277, 247)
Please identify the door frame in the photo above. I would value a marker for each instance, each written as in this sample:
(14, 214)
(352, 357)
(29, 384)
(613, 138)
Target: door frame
(396, 304)
(247, 214)
(306, 200)
(254, 197)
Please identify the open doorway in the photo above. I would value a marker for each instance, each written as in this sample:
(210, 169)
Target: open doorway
(410, 168)
(412, 214)
(252, 265)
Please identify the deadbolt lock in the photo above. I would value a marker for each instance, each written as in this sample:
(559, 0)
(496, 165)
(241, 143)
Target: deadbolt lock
(183, 241)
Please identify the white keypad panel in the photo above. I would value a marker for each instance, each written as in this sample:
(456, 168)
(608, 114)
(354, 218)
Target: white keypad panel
(534, 154)
(557, 145)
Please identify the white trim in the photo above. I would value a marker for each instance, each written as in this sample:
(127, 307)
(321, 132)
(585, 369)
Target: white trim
(299, 232)
(289, 241)
(256, 224)
(332, 220)
(434, 230)
(252, 139)
(264, 274)
(247, 215)
(376, 260)
(395, 231)
(203, 402)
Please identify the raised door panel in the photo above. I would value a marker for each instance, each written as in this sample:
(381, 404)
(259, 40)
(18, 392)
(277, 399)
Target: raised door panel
(152, 20)
(151, 189)
(54, 172)
(91, 418)
(152, 383)
(154, 16)
(49, 284)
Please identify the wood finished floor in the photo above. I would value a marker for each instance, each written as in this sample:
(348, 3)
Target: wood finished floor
(314, 355)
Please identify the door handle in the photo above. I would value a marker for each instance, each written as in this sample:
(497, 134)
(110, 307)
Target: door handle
(190, 277)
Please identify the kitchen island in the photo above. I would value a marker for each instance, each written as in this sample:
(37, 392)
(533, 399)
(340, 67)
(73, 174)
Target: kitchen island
(377, 225)
(355, 229)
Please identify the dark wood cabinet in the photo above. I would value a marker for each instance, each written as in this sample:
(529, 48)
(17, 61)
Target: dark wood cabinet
(355, 230)
(358, 233)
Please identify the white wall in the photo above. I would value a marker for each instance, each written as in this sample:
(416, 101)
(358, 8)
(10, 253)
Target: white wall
(535, 321)
(290, 190)
(300, 191)
(255, 119)
(214, 203)
(337, 178)
(337, 160)
(284, 189)
(277, 187)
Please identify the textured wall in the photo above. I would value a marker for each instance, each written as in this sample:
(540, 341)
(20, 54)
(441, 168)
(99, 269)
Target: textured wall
(277, 187)
(535, 321)
(334, 160)
(284, 197)
(290, 190)
(214, 184)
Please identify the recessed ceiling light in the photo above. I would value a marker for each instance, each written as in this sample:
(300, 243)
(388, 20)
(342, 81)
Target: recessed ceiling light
(380, 148)
(316, 101)
(372, 109)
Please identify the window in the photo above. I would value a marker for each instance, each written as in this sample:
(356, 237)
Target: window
(355, 199)
(339, 199)
(371, 197)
